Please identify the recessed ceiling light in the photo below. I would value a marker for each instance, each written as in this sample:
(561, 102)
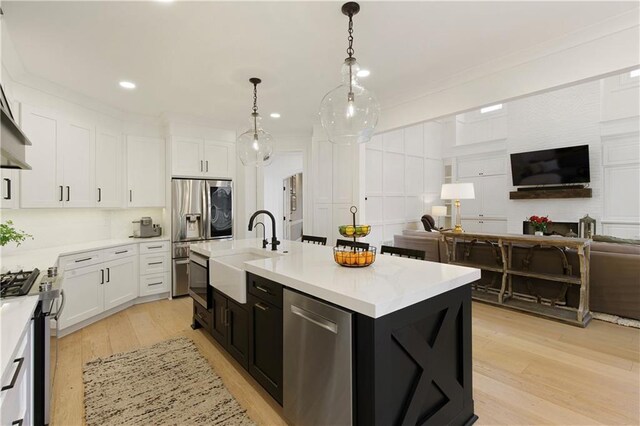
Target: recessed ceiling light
(275, 115)
(363, 73)
(491, 108)
(635, 73)
(127, 85)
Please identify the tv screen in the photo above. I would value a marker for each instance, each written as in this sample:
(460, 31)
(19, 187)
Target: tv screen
(551, 166)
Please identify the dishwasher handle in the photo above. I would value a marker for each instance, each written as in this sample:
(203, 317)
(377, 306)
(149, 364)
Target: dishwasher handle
(315, 319)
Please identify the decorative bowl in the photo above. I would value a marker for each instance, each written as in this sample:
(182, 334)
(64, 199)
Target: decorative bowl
(357, 231)
(354, 257)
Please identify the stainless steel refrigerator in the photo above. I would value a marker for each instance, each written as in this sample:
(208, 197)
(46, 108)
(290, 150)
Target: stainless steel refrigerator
(201, 210)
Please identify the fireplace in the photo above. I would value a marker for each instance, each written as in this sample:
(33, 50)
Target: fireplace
(554, 228)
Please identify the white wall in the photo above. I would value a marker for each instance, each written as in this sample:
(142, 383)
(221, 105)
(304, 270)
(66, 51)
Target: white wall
(284, 165)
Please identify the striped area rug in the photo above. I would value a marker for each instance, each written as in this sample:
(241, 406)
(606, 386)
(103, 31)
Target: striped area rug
(169, 383)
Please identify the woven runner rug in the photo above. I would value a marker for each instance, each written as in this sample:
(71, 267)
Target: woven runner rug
(169, 383)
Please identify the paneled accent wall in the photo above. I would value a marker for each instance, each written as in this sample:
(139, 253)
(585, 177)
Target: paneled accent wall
(404, 173)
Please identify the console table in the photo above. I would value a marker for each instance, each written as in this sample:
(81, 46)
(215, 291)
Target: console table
(501, 262)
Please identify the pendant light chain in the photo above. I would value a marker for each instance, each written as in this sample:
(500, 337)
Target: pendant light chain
(255, 110)
(350, 51)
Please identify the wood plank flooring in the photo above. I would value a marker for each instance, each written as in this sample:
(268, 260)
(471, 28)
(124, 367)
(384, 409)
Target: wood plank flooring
(527, 370)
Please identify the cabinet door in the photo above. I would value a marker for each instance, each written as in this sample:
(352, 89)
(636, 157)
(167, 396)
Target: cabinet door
(471, 225)
(494, 195)
(344, 172)
(41, 186)
(238, 333)
(219, 329)
(121, 281)
(145, 172)
(494, 226)
(186, 157)
(473, 208)
(322, 152)
(219, 159)
(265, 345)
(84, 295)
(77, 159)
(9, 189)
(108, 192)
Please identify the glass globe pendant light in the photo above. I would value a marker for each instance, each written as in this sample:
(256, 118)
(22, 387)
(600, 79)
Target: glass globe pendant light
(255, 146)
(349, 113)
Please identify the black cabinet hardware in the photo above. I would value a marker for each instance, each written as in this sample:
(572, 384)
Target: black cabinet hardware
(61, 193)
(108, 275)
(154, 263)
(201, 167)
(130, 195)
(17, 422)
(158, 283)
(8, 196)
(83, 260)
(102, 276)
(154, 247)
(207, 165)
(99, 195)
(122, 251)
(16, 373)
(68, 193)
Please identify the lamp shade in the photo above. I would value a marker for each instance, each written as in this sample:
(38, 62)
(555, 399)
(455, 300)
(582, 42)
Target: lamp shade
(457, 191)
(438, 211)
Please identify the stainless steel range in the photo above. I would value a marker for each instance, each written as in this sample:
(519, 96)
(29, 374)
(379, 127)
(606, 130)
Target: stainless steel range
(202, 210)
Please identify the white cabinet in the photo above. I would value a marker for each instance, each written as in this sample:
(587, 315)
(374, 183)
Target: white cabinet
(145, 172)
(16, 399)
(344, 168)
(9, 191)
(481, 166)
(84, 294)
(121, 282)
(323, 172)
(485, 226)
(194, 157)
(108, 186)
(62, 161)
(40, 187)
(492, 195)
(155, 261)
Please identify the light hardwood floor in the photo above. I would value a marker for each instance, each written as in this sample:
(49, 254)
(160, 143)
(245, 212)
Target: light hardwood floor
(527, 370)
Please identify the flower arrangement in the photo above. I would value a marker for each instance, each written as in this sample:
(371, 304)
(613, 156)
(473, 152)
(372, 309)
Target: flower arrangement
(9, 234)
(539, 223)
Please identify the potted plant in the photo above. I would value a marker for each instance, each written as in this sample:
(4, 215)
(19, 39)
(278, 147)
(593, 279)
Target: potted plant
(9, 234)
(539, 224)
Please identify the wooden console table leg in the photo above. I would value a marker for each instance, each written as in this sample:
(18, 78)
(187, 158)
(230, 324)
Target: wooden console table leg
(504, 272)
(509, 264)
(583, 307)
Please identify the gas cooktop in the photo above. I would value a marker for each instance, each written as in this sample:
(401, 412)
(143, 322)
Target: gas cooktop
(17, 283)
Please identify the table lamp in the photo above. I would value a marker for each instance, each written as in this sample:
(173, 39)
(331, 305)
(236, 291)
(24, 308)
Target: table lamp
(437, 212)
(457, 192)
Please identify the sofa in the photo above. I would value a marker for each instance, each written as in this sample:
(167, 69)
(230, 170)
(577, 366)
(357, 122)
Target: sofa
(614, 278)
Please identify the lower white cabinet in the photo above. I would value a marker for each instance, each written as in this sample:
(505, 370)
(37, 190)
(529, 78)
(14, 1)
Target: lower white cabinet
(154, 284)
(155, 263)
(16, 401)
(93, 289)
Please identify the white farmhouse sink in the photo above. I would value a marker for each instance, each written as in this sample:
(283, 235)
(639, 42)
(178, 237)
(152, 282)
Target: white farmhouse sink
(227, 272)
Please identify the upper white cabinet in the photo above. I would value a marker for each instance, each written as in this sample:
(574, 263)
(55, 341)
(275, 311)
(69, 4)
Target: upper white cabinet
(194, 157)
(481, 166)
(145, 172)
(62, 161)
(9, 191)
(108, 186)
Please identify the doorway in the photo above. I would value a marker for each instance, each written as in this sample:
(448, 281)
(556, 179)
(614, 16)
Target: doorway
(292, 207)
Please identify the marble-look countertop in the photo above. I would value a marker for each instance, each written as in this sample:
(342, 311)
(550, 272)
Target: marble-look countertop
(389, 285)
(46, 257)
(15, 319)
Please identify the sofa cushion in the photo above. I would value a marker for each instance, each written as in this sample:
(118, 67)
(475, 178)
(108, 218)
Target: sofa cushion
(610, 239)
(616, 248)
(421, 233)
(430, 246)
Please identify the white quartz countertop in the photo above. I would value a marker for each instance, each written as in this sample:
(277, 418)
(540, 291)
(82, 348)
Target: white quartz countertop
(15, 319)
(390, 284)
(46, 257)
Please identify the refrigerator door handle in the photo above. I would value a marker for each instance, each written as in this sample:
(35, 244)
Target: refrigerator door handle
(206, 213)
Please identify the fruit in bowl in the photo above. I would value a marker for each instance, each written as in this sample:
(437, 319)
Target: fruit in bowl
(354, 231)
(350, 257)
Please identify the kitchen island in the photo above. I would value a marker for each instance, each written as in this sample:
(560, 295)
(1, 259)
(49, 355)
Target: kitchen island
(406, 339)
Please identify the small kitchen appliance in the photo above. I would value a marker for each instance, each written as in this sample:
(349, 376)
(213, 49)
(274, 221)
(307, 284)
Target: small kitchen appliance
(146, 228)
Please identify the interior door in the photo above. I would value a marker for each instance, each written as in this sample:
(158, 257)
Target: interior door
(108, 169)
(84, 295)
(121, 282)
(78, 159)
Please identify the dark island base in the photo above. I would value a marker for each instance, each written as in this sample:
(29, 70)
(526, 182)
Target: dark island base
(414, 366)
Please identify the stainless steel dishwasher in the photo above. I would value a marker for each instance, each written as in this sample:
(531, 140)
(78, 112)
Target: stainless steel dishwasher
(317, 376)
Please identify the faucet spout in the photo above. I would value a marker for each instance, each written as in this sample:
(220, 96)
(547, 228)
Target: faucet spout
(274, 239)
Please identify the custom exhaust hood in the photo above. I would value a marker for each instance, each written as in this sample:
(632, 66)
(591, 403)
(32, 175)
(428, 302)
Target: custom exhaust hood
(12, 140)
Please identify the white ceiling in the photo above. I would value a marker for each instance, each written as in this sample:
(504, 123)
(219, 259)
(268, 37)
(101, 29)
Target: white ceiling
(196, 57)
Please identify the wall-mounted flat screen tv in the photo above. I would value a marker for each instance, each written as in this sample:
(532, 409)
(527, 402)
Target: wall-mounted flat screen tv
(551, 166)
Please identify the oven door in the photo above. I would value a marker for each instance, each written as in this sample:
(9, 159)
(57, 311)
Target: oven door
(199, 280)
(219, 209)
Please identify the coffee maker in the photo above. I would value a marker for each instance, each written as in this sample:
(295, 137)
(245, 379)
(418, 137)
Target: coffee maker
(146, 228)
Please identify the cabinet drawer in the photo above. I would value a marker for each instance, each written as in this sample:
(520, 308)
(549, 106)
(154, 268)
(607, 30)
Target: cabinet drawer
(79, 260)
(154, 284)
(203, 316)
(265, 289)
(154, 263)
(119, 252)
(154, 247)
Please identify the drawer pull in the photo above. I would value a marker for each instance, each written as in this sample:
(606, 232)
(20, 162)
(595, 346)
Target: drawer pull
(158, 283)
(20, 361)
(122, 251)
(17, 422)
(154, 247)
(83, 260)
(155, 263)
(261, 306)
(265, 290)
